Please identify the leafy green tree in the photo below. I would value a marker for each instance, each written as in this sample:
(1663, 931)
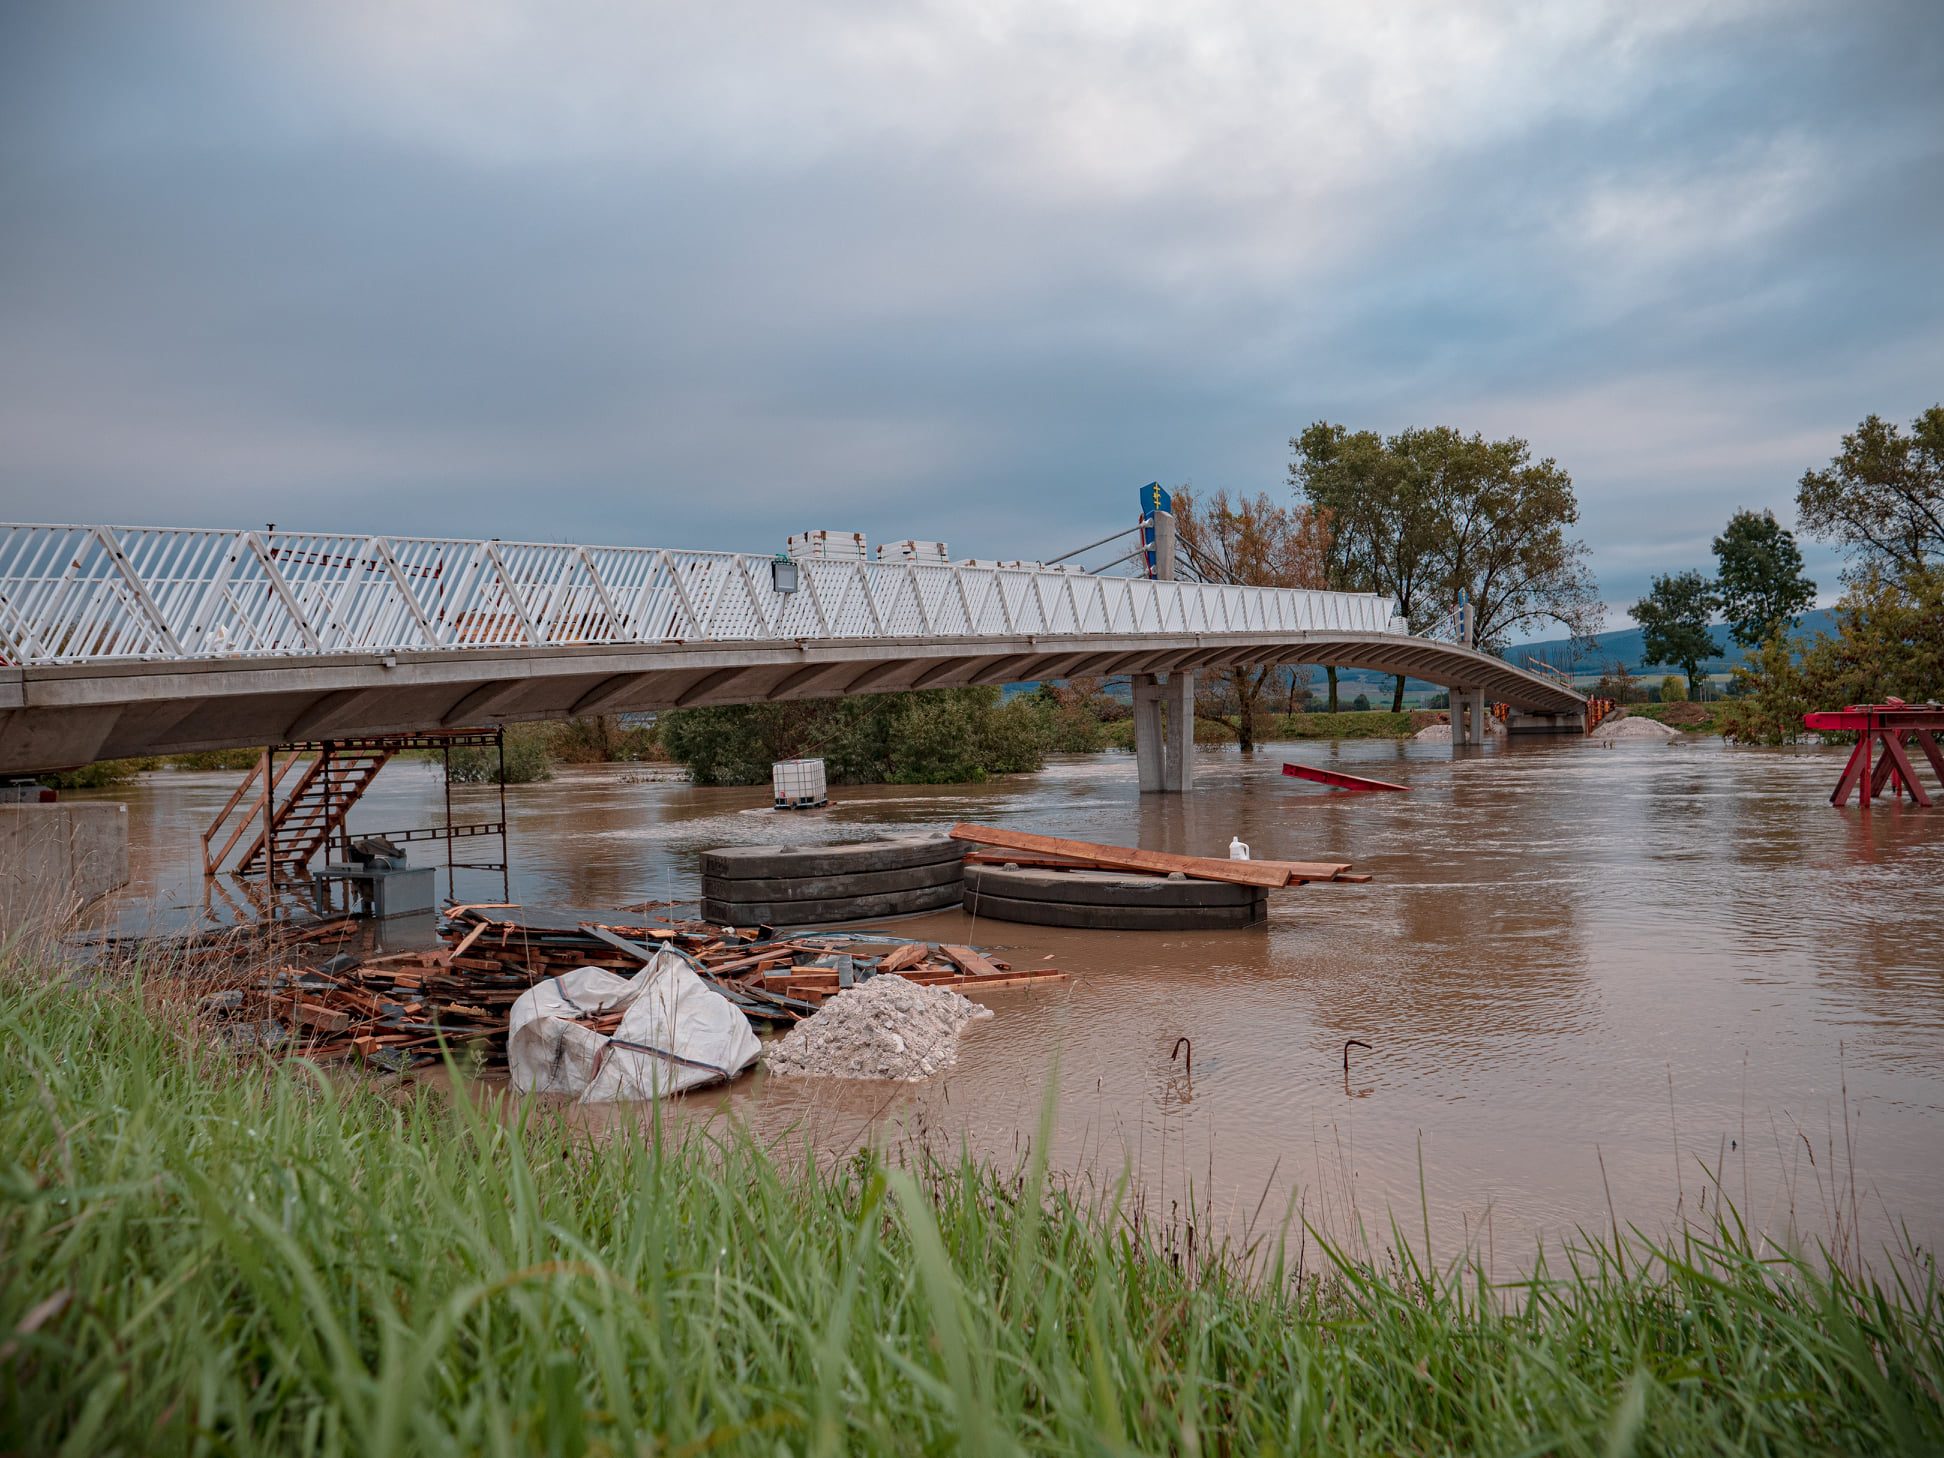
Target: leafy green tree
(1381, 519)
(936, 736)
(1428, 513)
(1674, 622)
(1883, 496)
(1762, 587)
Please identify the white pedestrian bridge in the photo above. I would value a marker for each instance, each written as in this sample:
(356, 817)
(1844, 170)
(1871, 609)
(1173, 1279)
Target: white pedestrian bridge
(127, 641)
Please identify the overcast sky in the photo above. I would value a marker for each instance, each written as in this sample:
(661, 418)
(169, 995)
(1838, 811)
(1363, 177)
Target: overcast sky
(704, 275)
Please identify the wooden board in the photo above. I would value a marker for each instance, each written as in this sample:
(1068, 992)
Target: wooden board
(968, 961)
(1272, 874)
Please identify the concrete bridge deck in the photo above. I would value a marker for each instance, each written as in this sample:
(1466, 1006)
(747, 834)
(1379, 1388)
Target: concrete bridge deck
(136, 641)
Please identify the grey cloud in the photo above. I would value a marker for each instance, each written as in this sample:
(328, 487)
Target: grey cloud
(250, 275)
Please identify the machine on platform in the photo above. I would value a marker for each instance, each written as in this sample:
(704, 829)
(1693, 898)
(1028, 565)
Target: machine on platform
(385, 884)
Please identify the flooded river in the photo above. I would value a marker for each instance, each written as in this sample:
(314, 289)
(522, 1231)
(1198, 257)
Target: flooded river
(1588, 977)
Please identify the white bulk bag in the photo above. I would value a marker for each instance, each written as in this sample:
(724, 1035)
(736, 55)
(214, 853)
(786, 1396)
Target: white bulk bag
(676, 1032)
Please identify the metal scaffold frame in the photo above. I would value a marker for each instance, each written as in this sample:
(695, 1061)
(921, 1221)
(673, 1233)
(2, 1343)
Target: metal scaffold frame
(337, 793)
(81, 594)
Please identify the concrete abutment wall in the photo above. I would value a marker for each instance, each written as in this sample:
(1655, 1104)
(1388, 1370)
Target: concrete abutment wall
(56, 859)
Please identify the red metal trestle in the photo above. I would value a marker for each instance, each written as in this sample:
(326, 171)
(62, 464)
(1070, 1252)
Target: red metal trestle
(1888, 729)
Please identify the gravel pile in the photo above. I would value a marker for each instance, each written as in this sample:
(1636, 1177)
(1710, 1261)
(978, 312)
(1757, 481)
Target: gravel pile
(1632, 728)
(885, 1028)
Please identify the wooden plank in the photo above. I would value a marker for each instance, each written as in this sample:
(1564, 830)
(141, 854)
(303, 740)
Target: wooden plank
(1040, 863)
(969, 962)
(1271, 874)
(1005, 979)
(909, 955)
(639, 953)
(472, 936)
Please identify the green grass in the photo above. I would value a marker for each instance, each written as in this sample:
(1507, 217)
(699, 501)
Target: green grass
(237, 1258)
(1368, 724)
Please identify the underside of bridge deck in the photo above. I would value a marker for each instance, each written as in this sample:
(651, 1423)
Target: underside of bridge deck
(61, 716)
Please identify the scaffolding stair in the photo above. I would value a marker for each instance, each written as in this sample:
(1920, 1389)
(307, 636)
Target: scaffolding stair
(334, 778)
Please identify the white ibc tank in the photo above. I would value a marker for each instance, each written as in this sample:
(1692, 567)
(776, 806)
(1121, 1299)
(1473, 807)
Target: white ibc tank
(799, 783)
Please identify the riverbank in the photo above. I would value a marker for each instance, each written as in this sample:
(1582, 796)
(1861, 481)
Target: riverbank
(200, 1250)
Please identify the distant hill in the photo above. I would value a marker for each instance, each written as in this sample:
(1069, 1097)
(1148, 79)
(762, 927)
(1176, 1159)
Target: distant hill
(1626, 647)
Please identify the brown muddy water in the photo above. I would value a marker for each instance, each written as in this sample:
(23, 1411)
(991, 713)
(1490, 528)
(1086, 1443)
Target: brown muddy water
(1592, 980)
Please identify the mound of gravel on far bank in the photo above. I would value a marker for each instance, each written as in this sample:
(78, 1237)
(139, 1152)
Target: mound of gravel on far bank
(1633, 728)
(885, 1028)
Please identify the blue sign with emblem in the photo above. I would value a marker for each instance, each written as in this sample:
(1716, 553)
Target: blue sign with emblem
(1153, 499)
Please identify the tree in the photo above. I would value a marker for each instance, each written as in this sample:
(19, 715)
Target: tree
(1882, 499)
(934, 736)
(1761, 588)
(1674, 619)
(1883, 496)
(1619, 685)
(1252, 544)
(1381, 519)
(1889, 640)
(1501, 535)
(1428, 513)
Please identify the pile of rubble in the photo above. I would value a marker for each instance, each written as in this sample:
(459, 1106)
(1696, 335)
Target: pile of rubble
(886, 1028)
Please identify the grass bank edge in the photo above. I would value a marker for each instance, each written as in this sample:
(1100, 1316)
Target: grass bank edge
(212, 1254)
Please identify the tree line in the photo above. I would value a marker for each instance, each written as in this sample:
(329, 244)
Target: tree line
(1760, 588)
(1880, 501)
(1424, 517)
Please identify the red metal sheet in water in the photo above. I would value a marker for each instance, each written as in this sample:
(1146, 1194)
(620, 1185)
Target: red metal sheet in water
(1340, 781)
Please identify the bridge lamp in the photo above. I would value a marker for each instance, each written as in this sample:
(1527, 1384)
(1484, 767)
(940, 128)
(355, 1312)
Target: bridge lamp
(783, 573)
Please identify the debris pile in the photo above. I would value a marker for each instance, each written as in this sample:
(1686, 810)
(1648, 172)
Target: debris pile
(394, 1011)
(886, 1028)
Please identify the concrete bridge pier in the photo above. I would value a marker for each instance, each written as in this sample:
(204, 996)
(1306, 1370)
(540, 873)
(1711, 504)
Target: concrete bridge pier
(1164, 732)
(1467, 716)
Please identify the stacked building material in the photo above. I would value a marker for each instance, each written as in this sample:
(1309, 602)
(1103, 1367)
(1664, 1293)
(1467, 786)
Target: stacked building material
(829, 546)
(925, 554)
(802, 885)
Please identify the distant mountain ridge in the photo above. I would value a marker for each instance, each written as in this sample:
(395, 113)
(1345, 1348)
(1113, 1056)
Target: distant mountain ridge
(1628, 648)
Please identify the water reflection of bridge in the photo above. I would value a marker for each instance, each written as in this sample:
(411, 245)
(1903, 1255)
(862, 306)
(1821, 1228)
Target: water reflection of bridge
(139, 641)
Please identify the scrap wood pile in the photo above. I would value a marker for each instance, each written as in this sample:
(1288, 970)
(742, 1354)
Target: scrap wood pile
(220, 954)
(395, 1010)
(1051, 852)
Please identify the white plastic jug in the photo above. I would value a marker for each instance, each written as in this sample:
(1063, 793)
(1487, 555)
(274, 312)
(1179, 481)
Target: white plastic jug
(1238, 849)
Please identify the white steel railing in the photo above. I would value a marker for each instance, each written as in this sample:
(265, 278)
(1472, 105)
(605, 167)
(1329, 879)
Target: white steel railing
(77, 594)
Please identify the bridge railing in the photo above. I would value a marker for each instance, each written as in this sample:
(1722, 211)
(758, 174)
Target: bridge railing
(74, 594)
